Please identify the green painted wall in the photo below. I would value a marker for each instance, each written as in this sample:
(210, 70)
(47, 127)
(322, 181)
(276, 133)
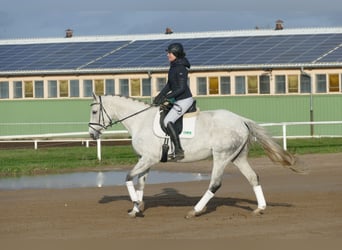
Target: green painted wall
(268, 109)
(263, 109)
(45, 111)
(67, 110)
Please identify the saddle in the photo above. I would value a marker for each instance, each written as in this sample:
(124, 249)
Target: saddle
(185, 125)
(164, 110)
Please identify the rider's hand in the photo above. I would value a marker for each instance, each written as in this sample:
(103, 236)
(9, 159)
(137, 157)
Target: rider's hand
(159, 99)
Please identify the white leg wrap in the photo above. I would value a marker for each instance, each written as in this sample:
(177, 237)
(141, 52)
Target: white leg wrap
(131, 191)
(140, 194)
(204, 201)
(260, 197)
(136, 208)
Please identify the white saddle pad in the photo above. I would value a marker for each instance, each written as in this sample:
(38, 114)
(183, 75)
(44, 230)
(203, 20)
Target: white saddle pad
(189, 122)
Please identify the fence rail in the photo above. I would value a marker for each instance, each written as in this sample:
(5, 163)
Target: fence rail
(34, 138)
(284, 126)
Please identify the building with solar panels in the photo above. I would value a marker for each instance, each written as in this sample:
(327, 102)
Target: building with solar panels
(266, 75)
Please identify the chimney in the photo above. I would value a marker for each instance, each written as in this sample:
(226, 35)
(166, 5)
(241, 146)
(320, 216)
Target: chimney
(168, 31)
(68, 33)
(279, 25)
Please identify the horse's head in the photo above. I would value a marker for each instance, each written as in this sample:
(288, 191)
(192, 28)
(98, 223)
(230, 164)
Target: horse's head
(99, 119)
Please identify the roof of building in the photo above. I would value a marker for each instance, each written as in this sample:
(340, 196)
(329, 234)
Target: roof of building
(222, 50)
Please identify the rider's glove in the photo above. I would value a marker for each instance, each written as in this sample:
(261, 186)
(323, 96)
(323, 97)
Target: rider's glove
(171, 100)
(159, 99)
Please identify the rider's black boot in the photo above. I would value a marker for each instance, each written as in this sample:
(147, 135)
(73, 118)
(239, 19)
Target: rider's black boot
(179, 152)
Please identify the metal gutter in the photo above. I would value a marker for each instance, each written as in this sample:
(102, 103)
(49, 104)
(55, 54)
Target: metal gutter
(164, 69)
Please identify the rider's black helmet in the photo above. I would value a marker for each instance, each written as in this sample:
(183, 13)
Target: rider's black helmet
(176, 49)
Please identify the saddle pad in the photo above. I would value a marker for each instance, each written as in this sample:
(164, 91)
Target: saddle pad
(188, 131)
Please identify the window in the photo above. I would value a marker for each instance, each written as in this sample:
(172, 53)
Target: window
(292, 83)
(252, 82)
(280, 86)
(305, 84)
(201, 85)
(135, 87)
(240, 87)
(39, 89)
(63, 88)
(264, 84)
(4, 90)
(123, 85)
(99, 87)
(213, 86)
(87, 88)
(161, 82)
(109, 87)
(146, 87)
(28, 89)
(321, 83)
(334, 84)
(74, 88)
(18, 89)
(52, 88)
(225, 85)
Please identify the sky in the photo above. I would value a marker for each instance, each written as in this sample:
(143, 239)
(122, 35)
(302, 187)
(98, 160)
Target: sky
(50, 18)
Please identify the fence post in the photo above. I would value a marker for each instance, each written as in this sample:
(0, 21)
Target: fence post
(98, 149)
(284, 137)
(35, 144)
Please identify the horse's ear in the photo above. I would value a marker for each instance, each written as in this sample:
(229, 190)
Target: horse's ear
(94, 96)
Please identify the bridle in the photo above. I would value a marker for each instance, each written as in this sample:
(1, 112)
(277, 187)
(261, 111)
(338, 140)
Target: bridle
(103, 113)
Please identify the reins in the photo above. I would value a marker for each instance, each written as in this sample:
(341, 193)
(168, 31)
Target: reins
(134, 114)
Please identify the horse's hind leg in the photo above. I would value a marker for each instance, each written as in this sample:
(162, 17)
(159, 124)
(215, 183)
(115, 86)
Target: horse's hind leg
(220, 160)
(244, 167)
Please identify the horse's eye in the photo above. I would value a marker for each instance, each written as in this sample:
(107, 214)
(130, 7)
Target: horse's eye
(94, 112)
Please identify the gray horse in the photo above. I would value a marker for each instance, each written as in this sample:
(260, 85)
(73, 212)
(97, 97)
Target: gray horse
(219, 133)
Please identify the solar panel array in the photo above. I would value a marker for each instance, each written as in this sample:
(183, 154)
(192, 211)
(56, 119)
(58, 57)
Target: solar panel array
(207, 51)
(53, 56)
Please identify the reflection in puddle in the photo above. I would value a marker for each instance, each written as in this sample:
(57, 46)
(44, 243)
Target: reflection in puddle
(92, 179)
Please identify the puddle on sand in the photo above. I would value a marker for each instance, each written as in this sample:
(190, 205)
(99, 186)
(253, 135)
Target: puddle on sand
(91, 179)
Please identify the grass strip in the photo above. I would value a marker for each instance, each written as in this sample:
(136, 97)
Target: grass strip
(14, 162)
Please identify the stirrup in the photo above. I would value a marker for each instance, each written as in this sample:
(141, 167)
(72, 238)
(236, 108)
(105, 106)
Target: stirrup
(176, 157)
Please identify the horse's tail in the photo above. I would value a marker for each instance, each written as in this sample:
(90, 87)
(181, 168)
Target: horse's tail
(273, 150)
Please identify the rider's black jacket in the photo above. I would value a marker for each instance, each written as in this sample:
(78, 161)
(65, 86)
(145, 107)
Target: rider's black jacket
(177, 84)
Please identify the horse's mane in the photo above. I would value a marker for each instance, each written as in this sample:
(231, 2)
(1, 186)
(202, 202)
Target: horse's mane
(131, 98)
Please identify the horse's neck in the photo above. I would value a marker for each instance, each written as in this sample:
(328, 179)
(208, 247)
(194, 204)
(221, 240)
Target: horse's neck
(122, 107)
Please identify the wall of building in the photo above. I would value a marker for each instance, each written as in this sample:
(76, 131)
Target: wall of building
(74, 113)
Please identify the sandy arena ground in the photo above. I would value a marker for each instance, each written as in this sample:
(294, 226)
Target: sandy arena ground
(299, 207)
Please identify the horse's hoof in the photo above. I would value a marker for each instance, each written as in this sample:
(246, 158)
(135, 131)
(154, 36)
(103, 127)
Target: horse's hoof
(258, 211)
(134, 214)
(193, 213)
(190, 214)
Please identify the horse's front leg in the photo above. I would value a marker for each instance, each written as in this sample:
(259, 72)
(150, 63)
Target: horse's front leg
(141, 170)
(140, 189)
(137, 195)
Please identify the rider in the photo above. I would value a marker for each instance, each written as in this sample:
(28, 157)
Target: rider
(177, 92)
